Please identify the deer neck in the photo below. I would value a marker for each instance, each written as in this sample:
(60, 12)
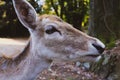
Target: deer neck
(26, 66)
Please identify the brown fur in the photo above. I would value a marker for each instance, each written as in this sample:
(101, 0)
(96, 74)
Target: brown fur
(64, 44)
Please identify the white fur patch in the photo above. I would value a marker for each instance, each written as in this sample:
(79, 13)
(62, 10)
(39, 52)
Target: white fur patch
(55, 35)
(43, 51)
(100, 43)
(92, 49)
(68, 48)
(98, 58)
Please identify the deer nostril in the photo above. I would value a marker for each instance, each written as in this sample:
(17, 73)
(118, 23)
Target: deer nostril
(99, 48)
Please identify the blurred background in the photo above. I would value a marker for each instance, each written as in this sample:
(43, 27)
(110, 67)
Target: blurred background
(98, 18)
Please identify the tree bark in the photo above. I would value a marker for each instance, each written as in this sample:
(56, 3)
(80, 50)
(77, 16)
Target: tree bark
(105, 19)
(108, 66)
(105, 24)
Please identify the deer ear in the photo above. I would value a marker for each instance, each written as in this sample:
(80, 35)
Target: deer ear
(26, 13)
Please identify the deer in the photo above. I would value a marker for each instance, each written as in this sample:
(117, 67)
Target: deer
(51, 39)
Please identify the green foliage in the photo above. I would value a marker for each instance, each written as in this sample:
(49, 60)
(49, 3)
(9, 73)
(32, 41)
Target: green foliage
(74, 12)
(105, 20)
(47, 8)
(111, 44)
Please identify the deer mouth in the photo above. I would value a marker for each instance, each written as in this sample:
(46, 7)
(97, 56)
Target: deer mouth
(94, 56)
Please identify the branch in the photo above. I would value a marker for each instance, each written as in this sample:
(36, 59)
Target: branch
(54, 7)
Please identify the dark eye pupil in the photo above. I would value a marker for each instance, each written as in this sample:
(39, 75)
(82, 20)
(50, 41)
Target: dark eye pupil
(51, 30)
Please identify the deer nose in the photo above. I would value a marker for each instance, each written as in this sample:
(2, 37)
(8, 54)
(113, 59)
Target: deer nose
(99, 47)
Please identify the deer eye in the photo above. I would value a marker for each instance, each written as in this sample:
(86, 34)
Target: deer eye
(51, 29)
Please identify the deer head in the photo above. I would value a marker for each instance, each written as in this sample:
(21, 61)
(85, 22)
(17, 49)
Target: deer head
(54, 39)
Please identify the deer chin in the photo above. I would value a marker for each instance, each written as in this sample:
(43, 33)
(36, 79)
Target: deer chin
(87, 59)
(84, 58)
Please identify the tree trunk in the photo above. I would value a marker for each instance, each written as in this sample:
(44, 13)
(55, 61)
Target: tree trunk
(109, 66)
(105, 24)
(105, 19)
